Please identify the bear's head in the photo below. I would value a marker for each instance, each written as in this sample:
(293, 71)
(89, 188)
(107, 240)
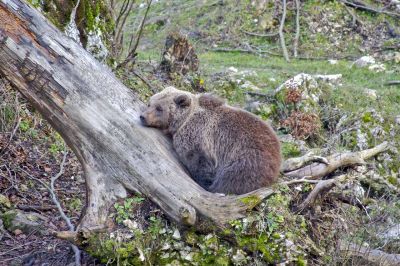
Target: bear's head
(168, 110)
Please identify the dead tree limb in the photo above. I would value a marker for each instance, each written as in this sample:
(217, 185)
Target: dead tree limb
(392, 83)
(292, 164)
(273, 34)
(322, 186)
(281, 35)
(361, 5)
(98, 118)
(375, 256)
(318, 170)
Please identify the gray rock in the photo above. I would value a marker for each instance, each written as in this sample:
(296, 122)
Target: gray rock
(365, 61)
(28, 222)
(392, 233)
(4, 202)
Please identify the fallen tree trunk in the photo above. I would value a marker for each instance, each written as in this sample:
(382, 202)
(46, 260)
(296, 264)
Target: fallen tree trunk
(98, 118)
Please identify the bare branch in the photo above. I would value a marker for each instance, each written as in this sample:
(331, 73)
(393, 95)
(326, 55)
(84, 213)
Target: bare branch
(273, 34)
(318, 170)
(61, 211)
(292, 164)
(132, 53)
(361, 5)
(323, 185)
(392, 83)
(281, 35)
(3, 151)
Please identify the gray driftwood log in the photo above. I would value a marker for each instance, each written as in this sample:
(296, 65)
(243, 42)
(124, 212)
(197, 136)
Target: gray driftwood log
(98, 118)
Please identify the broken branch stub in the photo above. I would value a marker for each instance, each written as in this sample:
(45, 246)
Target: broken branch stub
(98, 118)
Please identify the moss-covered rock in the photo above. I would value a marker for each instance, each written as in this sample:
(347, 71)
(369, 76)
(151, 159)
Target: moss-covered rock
(26, 222)
(4, 202)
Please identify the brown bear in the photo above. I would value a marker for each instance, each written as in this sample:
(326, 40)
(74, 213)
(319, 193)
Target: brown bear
(225, 149)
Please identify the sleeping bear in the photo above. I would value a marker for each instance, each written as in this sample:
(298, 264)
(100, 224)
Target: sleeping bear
(225, 149)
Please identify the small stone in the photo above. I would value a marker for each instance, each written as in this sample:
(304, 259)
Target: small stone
(233, 69)
(17, 232)
(377, 67)
(397, 119)
(364, 61)
(4, 202)
(392, 233)
(166, 246)
(141, 255)
(176, 235)
(333, 61)
(189, 256)
(239, 257)
(371, 94)
(333, 79)
(131, 225)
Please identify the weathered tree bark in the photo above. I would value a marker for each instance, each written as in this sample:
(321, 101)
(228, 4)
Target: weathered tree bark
(98, 118)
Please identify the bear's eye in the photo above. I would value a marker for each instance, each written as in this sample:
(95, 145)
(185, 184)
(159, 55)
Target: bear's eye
(159, 108)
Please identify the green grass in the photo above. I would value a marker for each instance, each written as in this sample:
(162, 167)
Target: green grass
(350, 94)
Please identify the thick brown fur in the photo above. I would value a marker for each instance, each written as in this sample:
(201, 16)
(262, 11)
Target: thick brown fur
(226, 150)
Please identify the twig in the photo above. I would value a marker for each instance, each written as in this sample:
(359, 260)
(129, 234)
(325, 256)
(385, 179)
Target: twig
(354, 16)
(260, 52)
(267, 96)
(273, 34)
(3, 151)
(132, 53)
(301, 180)
(242, 50)
(360, 5)
(392, 82)
(73, 13)
(35, 208)
(145, 81)
(124, 11)
(321, 186)
(297, 36)
(61, 211)
(372, 255)
(281, 36)
(118, 36)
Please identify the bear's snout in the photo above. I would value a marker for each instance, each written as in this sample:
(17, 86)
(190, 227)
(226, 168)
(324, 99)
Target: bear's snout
(143, 120)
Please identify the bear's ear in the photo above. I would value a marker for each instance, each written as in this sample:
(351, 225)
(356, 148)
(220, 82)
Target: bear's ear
(182, 100)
